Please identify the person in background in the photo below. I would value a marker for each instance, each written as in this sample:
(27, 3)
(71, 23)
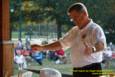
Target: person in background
(52, 56)
(107, 57)
(38, 57)
(27, 43)
(19, 44)
(111, 46)
(20, 60)
(60, 56)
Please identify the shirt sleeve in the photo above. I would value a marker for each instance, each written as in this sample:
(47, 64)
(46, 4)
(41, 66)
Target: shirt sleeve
(100, 36)
(67, 40)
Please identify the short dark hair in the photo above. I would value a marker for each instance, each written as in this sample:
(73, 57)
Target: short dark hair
(79, 7)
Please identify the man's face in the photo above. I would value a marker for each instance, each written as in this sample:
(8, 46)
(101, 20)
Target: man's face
(77, 17)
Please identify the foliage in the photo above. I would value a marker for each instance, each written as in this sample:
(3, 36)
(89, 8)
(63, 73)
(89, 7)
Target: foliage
(40, 11)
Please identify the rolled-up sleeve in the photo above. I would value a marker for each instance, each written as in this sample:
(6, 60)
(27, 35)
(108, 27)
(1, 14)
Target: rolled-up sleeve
(67, 40)
(100, 36)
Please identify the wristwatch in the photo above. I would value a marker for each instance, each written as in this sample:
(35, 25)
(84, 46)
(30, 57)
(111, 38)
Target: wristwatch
(93, 49)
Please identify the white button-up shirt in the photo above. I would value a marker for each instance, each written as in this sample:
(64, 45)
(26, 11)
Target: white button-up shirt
(75, 39)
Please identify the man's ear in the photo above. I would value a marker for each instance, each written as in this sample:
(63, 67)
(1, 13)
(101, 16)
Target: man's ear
(84, 13)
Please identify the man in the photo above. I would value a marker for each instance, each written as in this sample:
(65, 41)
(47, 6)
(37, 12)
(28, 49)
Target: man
(86, 40)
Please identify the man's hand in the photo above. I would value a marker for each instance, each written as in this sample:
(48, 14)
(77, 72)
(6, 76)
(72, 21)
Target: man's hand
(88, 48)
(36, 47)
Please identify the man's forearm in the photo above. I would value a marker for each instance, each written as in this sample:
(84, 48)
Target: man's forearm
(99, 46)
(53, 46)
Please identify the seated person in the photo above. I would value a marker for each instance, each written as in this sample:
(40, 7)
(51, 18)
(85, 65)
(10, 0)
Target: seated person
(61, 57)
(38, 56)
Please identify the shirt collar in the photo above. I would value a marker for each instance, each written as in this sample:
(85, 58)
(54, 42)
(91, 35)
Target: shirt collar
(89, 24)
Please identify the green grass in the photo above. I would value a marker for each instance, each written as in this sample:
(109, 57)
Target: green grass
(63, 68)
(15, 34)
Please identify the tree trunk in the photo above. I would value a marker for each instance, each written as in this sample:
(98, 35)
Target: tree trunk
(59, 30)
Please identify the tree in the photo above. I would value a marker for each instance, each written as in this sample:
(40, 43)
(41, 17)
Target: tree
(55, 10)
(101, 11)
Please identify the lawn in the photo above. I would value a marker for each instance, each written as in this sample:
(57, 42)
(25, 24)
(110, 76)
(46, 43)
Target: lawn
(63, 68)
(15, 34)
